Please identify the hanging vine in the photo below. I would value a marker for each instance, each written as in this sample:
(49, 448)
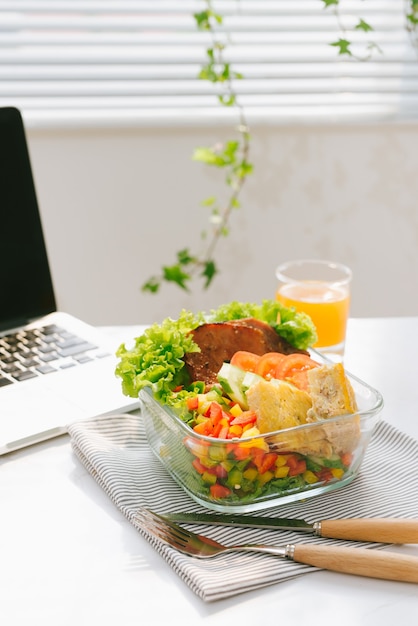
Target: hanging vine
(233, 156)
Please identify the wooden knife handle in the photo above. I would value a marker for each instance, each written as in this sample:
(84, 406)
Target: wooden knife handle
(359, 561)
(384, 530)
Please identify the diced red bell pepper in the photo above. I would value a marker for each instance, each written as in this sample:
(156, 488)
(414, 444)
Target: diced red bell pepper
(215, 412)
(223, 432)
(219, 491)
(264, 461)
(220, 471)
(347, 459)
(246, 417)
(239, 452)
(296, 464)
(199, 467)
(292, 460)
(325, 474)
(204, 428)
(299, 468)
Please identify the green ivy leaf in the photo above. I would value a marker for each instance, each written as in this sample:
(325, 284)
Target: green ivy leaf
(211, 201)
(328, 3)
(208, 156)
(152, 285)
(209, 272)
(225, 73)
(202, 20)
(230, 150)
(343, 45)
(244, 169)
(227, 100)
(412, 18)
(175, 274)
(364, 26)
(184, 257)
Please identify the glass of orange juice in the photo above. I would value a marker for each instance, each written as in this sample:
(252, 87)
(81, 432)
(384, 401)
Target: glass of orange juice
(321, 289)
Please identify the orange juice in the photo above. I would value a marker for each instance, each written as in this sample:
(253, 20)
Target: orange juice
(327, 305)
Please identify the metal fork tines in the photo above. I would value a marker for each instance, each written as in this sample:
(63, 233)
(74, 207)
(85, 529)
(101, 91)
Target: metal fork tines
(353, 560)
(178, 537)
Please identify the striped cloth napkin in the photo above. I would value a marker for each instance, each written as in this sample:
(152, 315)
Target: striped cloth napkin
(114, 450)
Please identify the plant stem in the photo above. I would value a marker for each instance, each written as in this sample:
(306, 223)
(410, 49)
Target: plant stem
(233, 156)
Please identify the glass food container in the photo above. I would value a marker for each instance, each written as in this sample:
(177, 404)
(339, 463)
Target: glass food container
(250, 474)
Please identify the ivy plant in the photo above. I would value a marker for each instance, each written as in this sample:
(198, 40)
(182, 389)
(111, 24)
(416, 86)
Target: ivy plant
(233, 156)
(344, 45)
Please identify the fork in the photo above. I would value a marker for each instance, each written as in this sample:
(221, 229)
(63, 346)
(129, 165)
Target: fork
(359, 561)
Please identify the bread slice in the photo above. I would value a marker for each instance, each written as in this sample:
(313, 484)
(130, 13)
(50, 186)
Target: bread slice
(332, 395)
(278, 405)
(331, 392)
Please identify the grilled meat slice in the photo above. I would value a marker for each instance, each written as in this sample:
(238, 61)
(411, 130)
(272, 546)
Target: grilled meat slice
(271, 341)
(218, 341)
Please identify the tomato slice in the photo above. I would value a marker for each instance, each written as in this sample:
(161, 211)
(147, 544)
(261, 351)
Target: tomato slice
(293, 363)
(268, 364)
(299, 379)
(245, 360)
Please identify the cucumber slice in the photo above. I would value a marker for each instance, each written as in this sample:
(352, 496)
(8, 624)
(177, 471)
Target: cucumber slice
(250, 378)
(231, 378)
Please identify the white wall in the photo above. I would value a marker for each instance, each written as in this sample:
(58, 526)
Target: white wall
(116, 204)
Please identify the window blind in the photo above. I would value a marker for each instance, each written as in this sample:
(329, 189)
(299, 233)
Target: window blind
(124, 62)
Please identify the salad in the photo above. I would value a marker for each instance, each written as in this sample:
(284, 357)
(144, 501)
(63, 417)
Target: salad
(236, 450)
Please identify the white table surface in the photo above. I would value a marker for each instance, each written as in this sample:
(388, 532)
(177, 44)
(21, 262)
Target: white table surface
(68, 556)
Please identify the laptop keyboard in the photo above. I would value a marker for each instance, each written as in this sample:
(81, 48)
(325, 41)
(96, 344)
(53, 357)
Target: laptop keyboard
(40, 351)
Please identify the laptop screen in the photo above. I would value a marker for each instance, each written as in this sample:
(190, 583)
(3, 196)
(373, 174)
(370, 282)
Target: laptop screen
(26, 290)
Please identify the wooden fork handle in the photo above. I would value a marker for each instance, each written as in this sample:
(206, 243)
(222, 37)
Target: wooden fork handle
(384, 530)
(359, 561)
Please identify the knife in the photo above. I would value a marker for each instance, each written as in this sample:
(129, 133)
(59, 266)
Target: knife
(381, 530)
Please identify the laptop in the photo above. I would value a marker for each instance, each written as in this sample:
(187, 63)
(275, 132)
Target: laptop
(54, 368)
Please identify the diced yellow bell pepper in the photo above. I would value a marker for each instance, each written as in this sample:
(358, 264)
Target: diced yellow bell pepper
(265, 477)
(310, 477)
(208, 478)
(250, 473)
(235, 430)
(282, 472)
(236, 410)
(281, 460)
(257, 442)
